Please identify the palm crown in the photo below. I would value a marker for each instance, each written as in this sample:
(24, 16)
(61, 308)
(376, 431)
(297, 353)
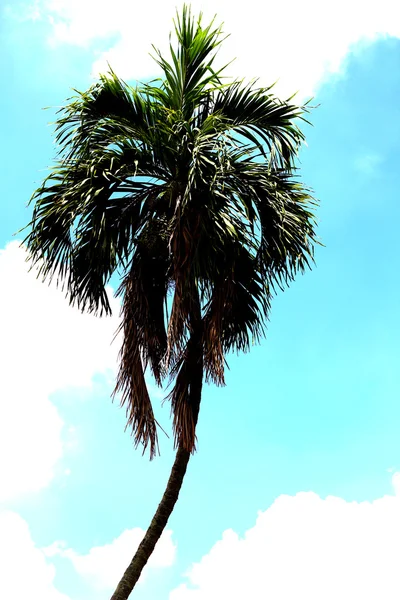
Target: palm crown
(186, 184)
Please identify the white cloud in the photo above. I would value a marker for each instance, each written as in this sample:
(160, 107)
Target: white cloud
(301, 44)
(307, 548)
(45, 346)
(25, 573)
(103, 566)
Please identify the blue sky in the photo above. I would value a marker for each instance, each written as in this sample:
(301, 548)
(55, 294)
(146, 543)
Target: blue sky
(295, 488)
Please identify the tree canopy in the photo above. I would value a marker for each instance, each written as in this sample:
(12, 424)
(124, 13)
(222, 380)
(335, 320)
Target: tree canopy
(187, 186)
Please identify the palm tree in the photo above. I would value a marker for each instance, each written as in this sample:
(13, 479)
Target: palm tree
(188, 186)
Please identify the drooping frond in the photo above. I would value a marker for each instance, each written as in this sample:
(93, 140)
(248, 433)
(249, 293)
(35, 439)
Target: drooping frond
(144, 291)
(263, 120)
(108, 111)
(285, 218)
(236, 311)
(132, 386)
(85, 220)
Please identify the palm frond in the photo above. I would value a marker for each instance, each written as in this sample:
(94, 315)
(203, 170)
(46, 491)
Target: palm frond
(190, 71)
(284, 211)
(82, 225)
(236, 311)
(263, 120)
(96, 118)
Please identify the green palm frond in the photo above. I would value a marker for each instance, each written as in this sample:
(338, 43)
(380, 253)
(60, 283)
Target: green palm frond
(190, 71)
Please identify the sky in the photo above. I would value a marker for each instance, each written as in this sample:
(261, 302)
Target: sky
(295, 489)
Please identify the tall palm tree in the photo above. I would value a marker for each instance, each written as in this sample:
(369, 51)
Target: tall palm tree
(188, 185)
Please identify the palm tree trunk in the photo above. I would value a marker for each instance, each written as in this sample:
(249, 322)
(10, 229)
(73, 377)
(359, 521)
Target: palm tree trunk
(174, 484)
(166, 506)
(156, 527)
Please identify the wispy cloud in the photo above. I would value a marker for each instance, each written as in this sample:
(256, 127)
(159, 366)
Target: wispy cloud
(369, 163)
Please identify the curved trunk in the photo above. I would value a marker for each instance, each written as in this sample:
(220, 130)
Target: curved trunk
(166, 506)
(156, 527)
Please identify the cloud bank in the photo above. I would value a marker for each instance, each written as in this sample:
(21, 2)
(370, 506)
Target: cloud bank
(301, 44)
(307, 548)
